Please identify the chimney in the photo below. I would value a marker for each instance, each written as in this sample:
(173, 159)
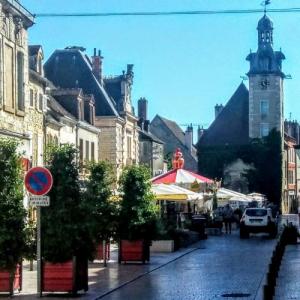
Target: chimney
(188, 137)
(143, 109)
(200, 132)
(146, 125)
(97, 65)
(218, 109)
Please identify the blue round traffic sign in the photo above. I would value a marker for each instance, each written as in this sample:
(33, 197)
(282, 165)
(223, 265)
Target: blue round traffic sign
(38, 181)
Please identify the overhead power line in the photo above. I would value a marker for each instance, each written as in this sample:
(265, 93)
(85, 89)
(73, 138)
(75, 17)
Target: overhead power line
(168, 13)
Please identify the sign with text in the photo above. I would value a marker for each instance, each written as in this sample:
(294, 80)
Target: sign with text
(39, 200)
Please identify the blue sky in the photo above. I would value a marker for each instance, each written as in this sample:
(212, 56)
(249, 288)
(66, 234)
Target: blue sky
(184, 65)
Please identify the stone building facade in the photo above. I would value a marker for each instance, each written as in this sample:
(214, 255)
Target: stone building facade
(70, 119)
(151, 147)
(34, 116)
(14, 75)
(72, 68)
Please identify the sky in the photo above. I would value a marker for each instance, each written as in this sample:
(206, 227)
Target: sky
(183, 65)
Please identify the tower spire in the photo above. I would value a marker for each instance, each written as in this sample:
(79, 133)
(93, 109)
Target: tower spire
(265, 3)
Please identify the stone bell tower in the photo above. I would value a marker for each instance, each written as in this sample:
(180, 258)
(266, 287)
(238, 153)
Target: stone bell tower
(265, 84)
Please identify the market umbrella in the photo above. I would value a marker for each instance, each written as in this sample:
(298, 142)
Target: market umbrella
(173, 192)
(228, 194)
(180, 176)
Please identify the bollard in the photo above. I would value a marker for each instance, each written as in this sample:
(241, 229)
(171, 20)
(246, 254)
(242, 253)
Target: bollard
(267, 293)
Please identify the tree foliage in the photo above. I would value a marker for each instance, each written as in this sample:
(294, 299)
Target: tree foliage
(65, 230)
(264, 154)
(104, 210)
(12, 212)
(138, 211)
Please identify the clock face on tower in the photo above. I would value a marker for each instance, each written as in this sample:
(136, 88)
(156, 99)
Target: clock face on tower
(264, 83)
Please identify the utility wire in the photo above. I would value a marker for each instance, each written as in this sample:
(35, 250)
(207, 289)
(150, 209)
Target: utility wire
(168, 13)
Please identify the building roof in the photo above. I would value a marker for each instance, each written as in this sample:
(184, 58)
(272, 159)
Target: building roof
(34, 49)
(71, 68)
(149, 136)
(57, 109)
(173, 137)
(231, 126)
(174, 127)
(265, 23)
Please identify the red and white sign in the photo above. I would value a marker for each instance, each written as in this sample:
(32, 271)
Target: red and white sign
(38, 181)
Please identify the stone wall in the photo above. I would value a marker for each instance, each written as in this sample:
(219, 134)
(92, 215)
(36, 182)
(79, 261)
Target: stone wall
(273, 93)
(14, 42)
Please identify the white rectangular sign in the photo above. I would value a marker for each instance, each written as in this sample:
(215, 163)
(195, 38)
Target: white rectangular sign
(39, 200)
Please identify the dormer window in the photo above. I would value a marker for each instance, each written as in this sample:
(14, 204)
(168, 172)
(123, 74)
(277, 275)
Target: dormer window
(80, 110)
(39, 65)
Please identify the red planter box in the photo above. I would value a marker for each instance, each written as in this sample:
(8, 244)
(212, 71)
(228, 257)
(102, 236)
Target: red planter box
(99, 253)
(70, 277)
(5, 282)
(137, 251)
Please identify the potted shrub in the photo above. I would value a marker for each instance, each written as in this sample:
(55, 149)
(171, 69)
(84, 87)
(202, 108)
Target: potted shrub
(138, 215)
(12, 218)
(104, 210)
(67, 242)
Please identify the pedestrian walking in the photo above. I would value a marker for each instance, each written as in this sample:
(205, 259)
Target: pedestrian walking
(227, 217)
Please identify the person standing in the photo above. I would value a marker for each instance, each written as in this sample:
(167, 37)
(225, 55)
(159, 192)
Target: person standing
(227, 217)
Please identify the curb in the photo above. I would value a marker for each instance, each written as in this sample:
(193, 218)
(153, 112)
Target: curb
(146, 273)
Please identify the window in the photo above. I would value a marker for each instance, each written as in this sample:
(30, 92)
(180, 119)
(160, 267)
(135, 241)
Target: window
(81, 150)
(129, 147)
(40, 102)
(91, 114)
(264, 107)
(20, 82)
(39, 65)
(256, 212)
(92, 151)
(264, 129)
(31, 99)
(9, 77)
(290, 177)
(80, 110)
(87, 150)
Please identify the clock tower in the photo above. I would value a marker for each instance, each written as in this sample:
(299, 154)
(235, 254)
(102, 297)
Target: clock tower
(265, 84)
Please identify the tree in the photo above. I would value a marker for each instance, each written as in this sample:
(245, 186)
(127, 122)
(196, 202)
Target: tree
(103, 219)
(138, 211)
(64, 223)
(265, 155)
(13, 214)
(266, 178)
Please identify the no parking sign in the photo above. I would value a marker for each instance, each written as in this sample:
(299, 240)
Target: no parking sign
(38, 181)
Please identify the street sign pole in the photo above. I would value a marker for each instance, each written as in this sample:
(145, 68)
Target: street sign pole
(39, 252)
(38, 181)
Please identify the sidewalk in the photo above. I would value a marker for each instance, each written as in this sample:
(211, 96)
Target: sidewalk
(102, 280)
(288, 284)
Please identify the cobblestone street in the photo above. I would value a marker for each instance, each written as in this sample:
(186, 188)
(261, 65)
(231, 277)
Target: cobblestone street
(227, 268)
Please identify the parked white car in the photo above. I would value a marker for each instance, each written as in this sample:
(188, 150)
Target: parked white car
(255, 220)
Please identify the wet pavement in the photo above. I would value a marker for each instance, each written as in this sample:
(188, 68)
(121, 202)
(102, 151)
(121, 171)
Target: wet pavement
(288, 284)
(103, 280)
(222, 267)
(228, 268)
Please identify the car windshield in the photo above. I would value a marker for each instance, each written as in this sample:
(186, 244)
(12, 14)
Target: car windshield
(256, 212)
